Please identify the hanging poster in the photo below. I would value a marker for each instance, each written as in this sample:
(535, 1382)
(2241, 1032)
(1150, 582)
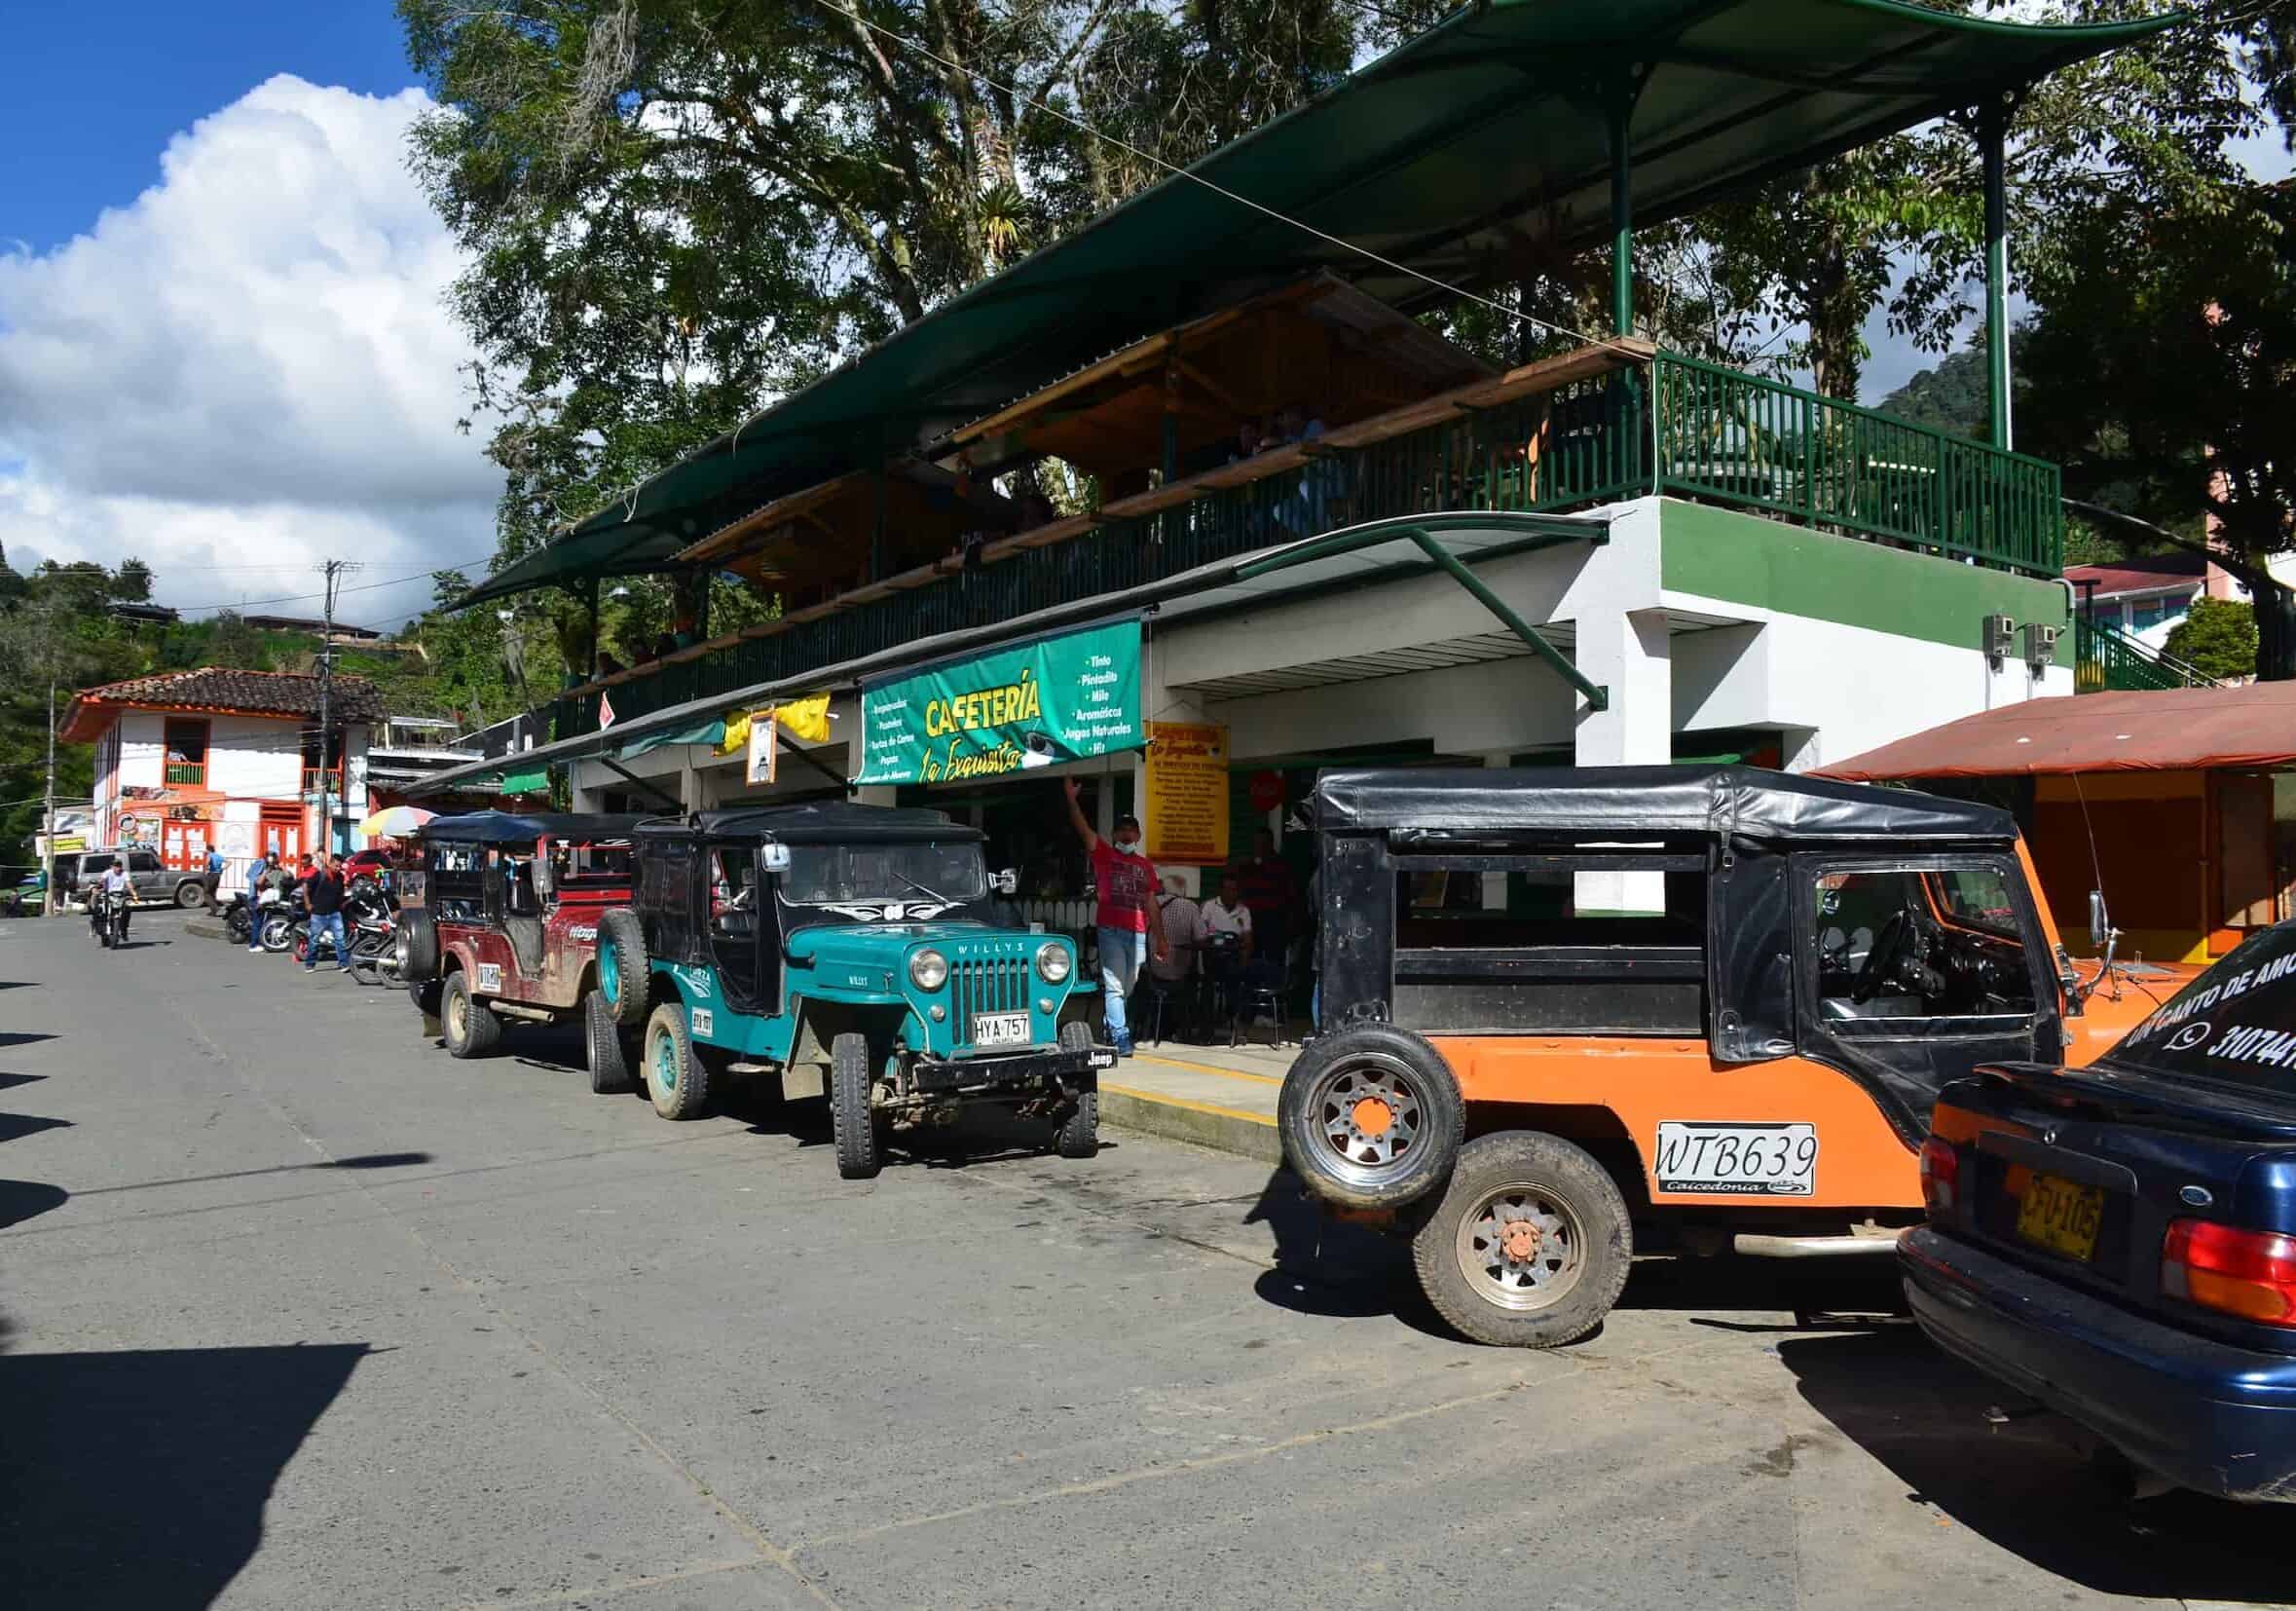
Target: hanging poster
(1187, 793)
(762, 751)
(1033, 704)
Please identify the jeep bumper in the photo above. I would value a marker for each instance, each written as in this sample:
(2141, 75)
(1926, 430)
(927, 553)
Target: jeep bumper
(1008, 1073)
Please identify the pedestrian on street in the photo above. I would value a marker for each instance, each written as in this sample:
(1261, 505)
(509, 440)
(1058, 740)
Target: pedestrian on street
(1126, 882)
(322, 892)
(259, 872)
(214, 878)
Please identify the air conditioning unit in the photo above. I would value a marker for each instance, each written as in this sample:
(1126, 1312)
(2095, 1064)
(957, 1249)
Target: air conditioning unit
(2040, 645)
(2000, 637)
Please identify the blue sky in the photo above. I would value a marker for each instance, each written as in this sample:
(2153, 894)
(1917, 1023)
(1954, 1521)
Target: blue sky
(96, 89)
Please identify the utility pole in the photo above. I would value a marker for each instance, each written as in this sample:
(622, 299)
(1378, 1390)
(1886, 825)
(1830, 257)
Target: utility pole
(333, 570)
(48, 816)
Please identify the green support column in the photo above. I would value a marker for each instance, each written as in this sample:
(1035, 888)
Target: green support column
(1619, 107)
(1992, 132)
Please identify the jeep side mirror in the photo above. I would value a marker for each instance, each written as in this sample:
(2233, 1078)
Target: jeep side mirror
(2099, 923)
(774, 857)
(1006, 883)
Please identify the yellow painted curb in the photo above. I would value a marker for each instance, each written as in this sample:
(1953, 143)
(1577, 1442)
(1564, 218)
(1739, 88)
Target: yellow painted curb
(1162, 1100)
(1206, 1069)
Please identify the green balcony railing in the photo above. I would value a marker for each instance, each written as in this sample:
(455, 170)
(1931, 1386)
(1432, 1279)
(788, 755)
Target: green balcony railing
(1738, 439)
(2106, 659)
(1675, 425)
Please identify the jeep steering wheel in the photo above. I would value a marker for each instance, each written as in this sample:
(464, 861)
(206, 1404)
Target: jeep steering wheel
(1882, 958)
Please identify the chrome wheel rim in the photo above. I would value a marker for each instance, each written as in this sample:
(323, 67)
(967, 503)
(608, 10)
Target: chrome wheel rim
(1521, 1247)
(1369, 1110)
(458, 1022)
(665, 1061)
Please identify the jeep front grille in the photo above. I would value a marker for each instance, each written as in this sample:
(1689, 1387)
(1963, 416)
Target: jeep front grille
(999, 983)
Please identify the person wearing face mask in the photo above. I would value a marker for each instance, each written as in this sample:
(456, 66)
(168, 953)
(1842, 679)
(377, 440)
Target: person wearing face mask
(1126, 883)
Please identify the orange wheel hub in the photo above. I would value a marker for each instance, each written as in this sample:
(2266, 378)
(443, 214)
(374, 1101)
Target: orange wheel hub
(1518, 1239)
(1373, 1116)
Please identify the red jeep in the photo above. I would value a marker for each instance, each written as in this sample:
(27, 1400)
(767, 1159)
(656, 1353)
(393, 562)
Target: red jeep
(499, 919)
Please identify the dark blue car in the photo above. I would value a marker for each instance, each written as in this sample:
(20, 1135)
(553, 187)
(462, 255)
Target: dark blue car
(2119, 1242)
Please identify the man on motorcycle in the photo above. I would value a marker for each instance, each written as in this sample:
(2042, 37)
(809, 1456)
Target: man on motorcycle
(114, 893)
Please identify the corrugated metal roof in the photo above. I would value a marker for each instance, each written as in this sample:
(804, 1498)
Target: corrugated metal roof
(1450, 157)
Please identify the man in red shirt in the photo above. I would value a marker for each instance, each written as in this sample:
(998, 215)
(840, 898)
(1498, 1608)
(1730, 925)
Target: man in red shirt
(1126, 882)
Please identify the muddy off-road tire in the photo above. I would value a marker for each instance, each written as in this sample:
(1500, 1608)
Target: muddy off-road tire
(609, 1055)
(1528, 1245)
(1370, 1117)
(853, 1121)
(623, 969)
(678, 1081)
(1079, 1133)
(467, 1024)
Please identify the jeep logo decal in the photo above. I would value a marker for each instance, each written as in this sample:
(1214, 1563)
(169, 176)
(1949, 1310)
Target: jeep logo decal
(582, 931)
(696, 979)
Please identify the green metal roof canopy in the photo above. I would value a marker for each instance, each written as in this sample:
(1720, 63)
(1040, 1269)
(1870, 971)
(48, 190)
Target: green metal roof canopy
(1452, 154)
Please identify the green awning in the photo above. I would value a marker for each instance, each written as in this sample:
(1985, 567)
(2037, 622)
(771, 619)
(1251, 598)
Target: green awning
(532, 782)
(710, 732)
(1466, 148)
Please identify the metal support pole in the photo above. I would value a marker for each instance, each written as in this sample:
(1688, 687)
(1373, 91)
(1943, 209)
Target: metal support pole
(47, 907)
(1992, 132)
(1620, 109)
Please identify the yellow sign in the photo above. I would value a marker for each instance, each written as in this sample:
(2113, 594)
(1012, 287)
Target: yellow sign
(807, 719)
(1187, 793)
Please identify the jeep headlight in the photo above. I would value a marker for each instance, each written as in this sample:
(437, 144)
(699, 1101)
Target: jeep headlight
(1052, 961)
(928, 970)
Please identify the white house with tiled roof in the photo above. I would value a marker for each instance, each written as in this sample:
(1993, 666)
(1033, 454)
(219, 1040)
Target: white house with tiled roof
(189, 758)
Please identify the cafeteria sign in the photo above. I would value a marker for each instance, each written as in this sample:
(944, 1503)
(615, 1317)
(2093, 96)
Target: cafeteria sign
(1048, 700)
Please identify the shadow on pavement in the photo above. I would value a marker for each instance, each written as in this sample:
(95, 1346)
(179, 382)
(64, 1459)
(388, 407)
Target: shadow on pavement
(24, 1037)
(369, 1160)
(8, 1082)
(21, 1199)
(138, 1479)
(2022, 1484)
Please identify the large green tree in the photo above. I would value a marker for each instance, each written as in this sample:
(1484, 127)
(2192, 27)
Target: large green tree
(2159, 376)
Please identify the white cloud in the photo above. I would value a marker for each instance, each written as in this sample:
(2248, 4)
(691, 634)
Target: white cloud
(250, 367)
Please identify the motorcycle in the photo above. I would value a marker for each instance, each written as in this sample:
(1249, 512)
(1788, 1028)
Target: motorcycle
(365, 914)
(374, 941)
(275, 927)
(239, 917)
(107, 916)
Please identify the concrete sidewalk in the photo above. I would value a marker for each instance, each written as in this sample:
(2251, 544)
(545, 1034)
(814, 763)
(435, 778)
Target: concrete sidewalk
(1220, 1097)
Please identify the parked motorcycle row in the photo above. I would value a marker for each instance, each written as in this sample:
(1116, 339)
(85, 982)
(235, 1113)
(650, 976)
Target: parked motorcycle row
(278, 922)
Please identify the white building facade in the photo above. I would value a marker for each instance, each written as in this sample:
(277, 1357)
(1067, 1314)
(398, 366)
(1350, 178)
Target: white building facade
(228, 759)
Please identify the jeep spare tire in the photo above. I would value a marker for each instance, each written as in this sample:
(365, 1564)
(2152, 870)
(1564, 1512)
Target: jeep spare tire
(418, 939)
(623, 969)
(1370, 1117)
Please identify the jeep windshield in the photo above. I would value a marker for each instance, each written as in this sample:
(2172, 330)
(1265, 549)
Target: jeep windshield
(831, 875)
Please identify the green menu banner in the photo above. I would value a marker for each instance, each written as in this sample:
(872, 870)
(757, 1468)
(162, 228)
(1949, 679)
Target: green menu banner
(1036, 703)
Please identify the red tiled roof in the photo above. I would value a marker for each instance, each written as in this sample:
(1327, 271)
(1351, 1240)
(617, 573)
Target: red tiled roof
(2136, 576)
(223, 690)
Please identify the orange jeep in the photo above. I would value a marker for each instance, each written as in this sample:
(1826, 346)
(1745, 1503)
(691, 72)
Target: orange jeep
(1715, 1002)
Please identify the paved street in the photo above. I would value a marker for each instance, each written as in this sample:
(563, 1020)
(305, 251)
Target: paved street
(297, 1312)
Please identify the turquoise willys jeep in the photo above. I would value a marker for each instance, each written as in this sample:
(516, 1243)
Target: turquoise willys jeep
(854, 943)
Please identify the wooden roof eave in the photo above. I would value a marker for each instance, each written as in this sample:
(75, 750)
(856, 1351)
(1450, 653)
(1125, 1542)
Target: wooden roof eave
(1137, 358)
